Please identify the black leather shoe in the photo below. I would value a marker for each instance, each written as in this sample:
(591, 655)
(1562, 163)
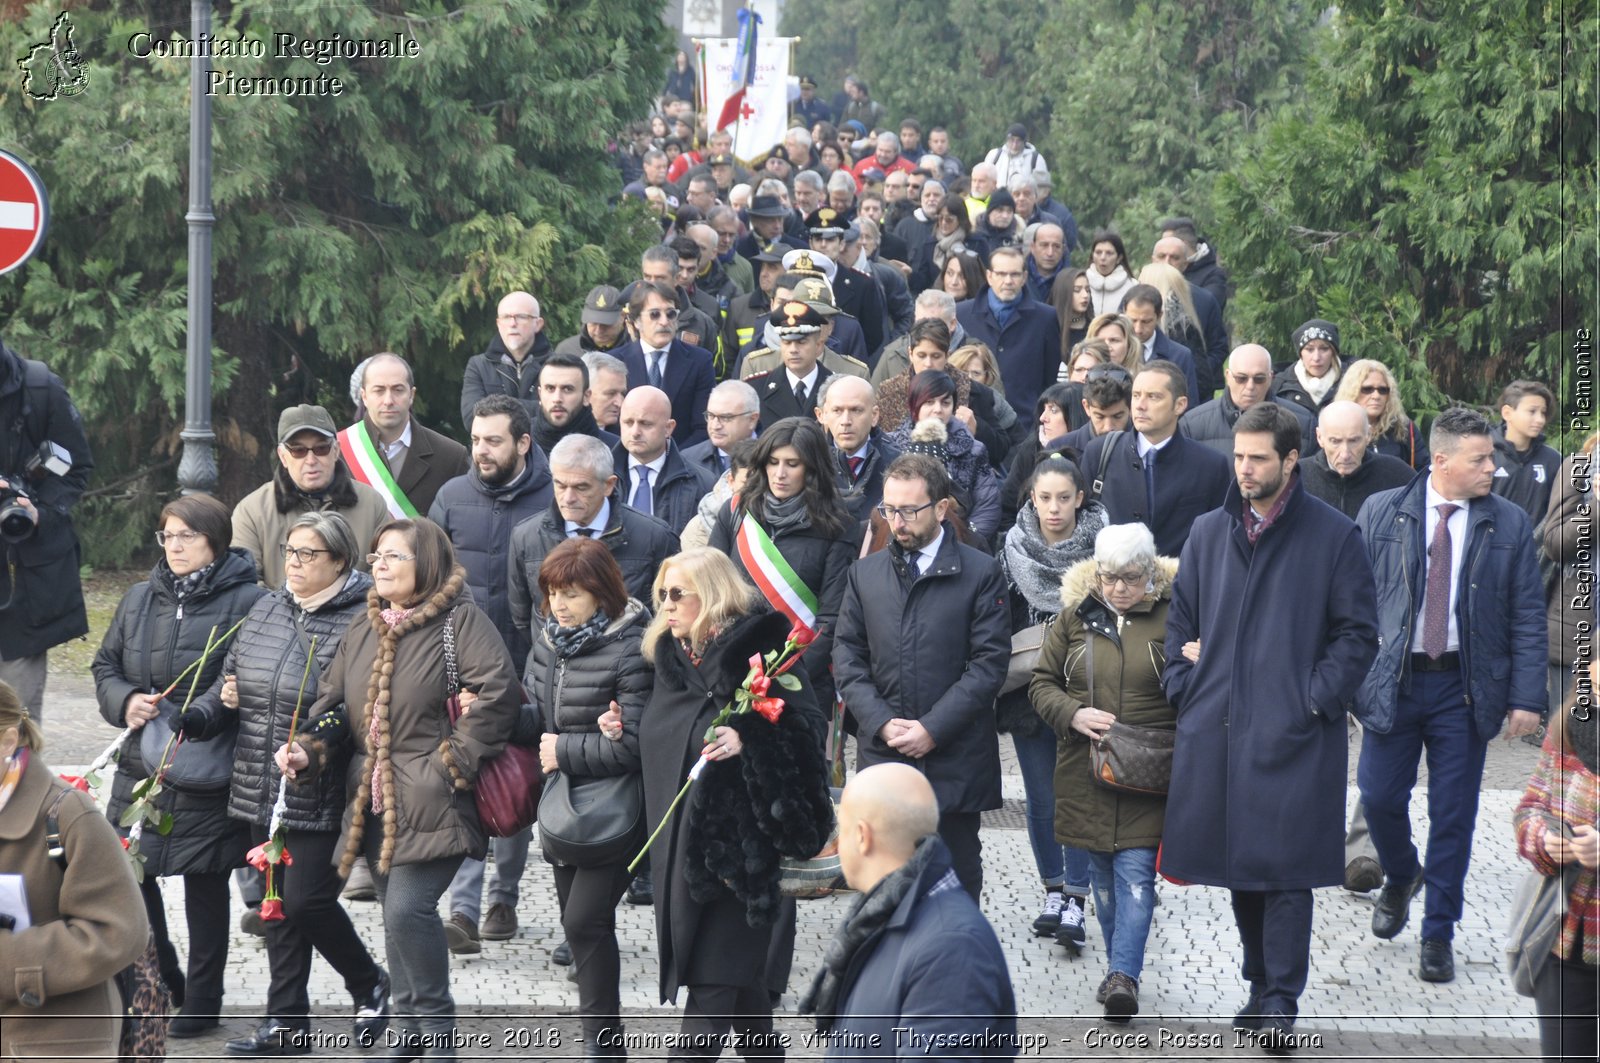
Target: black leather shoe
(641, 890)
(197, 1018)
(1438, 962)
(271, 1038)
(372, 1012)
(1276, 1035)
(1249, 1018)
(562, 956)
(1394, 905)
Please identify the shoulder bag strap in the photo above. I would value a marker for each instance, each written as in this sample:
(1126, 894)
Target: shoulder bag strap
(452, 677)
(1112, 440)
(52, 831)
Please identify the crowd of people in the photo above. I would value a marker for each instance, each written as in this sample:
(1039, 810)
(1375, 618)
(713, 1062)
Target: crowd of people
(1001, 479)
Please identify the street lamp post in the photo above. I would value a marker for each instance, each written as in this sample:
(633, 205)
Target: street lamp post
(197, 470)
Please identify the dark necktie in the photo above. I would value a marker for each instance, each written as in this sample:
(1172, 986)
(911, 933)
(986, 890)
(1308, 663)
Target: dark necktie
(655, 369)
(855, 468)
(1436, 600)
(800, 395)
(1150, 482)
(587, 533)
(641, 494)
(722, 461)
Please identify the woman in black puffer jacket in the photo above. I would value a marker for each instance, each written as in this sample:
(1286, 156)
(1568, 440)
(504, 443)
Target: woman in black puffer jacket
(256, 696)
(160, 629)
(591, 682)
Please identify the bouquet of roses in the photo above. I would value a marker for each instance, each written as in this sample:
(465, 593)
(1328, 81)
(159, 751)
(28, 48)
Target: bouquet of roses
(754, 695)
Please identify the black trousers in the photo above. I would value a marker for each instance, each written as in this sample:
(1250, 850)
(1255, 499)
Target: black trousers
(314, 920)
(589, 897)
(713, 1010)
(1565, 993)
(960, 833)
(205, 908)
(1275, 929)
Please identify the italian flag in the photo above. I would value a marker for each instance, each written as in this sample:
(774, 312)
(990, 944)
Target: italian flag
(367, 465)
(774, 578)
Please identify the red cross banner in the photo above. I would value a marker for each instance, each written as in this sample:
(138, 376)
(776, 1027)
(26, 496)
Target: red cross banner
(763, 110)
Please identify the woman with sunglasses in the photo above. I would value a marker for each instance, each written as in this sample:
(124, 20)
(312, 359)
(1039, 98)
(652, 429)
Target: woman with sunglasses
(790, 503)
(202, 585)
(1372, 386)
(256, 697)
(722, 928)
(380, 720)
(310, 476)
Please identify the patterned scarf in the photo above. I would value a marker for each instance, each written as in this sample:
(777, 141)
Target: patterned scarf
(183, 586)
(394, 617)
(570, 641)
(1255, 526)
(1035, 567)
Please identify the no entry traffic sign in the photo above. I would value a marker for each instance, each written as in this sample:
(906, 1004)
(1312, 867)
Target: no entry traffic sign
(24, 212)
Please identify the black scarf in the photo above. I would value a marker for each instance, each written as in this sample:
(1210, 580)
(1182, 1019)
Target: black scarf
(788, 514)
(868, 915)
(570, 641)
(547, 435)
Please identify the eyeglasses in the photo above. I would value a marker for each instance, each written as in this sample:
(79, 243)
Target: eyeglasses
(1375, 389)
(727, 418)
(525, 319)
(905, 513)
(388, 559)
(1249, 378)
(1106, 371)
(187, 538)
(1129, 580)
(677, 594)
(298, 452)
(658, 314)
(304, 554)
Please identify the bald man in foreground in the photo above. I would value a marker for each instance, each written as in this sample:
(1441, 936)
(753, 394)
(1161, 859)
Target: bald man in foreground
(915, 970)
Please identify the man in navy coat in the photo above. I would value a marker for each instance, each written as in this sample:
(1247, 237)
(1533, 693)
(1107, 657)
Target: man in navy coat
(1462, 617)
(1270, 634)
(1024, 335)
(916, 970)
(659, 359)
(1153, 475)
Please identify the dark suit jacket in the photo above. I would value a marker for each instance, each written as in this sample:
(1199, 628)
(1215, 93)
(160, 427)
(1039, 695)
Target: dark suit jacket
(432, 461)
(1168, 349)
(676, 493)
(687, 379)
(777, 397)
(1028, 349)
(1191, 479)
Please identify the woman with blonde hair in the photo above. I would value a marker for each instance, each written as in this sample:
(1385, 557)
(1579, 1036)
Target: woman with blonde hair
(977, 361)
(1180, 308)
(1117, 332)
(762, 794)
(1371, 385)
(88, 921)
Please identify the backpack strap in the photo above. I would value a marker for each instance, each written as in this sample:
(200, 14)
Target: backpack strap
(1112, 439)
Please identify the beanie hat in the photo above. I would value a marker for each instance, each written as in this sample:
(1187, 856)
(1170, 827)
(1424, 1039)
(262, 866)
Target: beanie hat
(1316, 329)
(928, 437)
(1002, 198)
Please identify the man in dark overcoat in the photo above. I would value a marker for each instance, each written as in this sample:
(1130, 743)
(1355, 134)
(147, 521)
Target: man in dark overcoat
(1271, 632)
(920, 653)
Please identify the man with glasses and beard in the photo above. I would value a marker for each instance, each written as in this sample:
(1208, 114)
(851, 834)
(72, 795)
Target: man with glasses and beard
(658, 358)
(509, 482)
(310, 476)
(920, 653)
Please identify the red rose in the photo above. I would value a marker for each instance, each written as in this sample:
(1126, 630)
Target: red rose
(760, 685)
(257, 857)
(125, 843)
(801, 636)
(272, 908)
(284, 858)
(77, 782)
(769, 708)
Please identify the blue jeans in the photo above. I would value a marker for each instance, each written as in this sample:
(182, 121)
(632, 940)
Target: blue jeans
(1124, 902)
(1434, 717)
(510, 860)
(1059, 865)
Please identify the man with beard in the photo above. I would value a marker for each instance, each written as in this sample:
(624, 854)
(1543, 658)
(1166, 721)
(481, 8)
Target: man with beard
(389, 451)
(1256, 801)
(509, 483)
(602, 323)
(563, 408)
(510, 366)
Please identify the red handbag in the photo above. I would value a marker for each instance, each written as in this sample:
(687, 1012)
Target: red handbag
(508, 787)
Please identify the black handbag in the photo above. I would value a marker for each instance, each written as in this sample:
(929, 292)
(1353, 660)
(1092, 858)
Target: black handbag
(590, 822)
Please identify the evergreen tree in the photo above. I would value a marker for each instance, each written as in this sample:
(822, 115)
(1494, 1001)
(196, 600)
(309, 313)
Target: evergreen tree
(390, 217)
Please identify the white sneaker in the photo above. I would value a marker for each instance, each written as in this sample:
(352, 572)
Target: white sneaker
(1049, 918)
(1071, 933)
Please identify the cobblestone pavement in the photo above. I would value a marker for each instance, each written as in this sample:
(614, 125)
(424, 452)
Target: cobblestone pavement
(1364, 1000)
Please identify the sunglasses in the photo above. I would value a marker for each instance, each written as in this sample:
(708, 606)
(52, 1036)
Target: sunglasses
(1110, 372)
(658, 314)
(677, 594)
(1375, 389)
(1248, 378)
(298, 452)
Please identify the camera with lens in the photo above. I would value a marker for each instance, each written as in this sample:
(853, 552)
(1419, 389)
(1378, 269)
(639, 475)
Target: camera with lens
(17, 521)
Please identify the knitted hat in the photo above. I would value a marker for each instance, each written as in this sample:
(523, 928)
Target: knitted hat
(1002, 198)
(1316, 329)
(928, 437)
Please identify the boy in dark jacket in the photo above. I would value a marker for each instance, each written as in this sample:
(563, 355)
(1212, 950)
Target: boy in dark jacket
(1524, 466)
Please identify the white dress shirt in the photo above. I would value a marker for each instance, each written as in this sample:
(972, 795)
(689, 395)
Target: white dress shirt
(1458, 554)
(601, 519)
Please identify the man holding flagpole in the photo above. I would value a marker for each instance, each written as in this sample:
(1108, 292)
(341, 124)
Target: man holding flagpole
(389, 451)
(921, 651)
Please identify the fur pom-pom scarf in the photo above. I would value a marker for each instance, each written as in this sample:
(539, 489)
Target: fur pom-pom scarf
(376, 791)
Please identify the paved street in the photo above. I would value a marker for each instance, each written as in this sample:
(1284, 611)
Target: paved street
(1364, 1000)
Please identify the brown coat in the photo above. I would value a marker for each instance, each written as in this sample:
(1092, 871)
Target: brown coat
(57, 998)
(426, 765)
(1568, 532)
(1127, 683)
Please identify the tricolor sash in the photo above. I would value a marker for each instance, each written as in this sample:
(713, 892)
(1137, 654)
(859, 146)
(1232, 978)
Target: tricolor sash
(784, 590)
(367, 465)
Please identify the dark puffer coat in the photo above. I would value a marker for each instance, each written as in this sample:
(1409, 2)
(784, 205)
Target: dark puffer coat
(151, 640)
(739, 812)
(269, 659)
(573, 692)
